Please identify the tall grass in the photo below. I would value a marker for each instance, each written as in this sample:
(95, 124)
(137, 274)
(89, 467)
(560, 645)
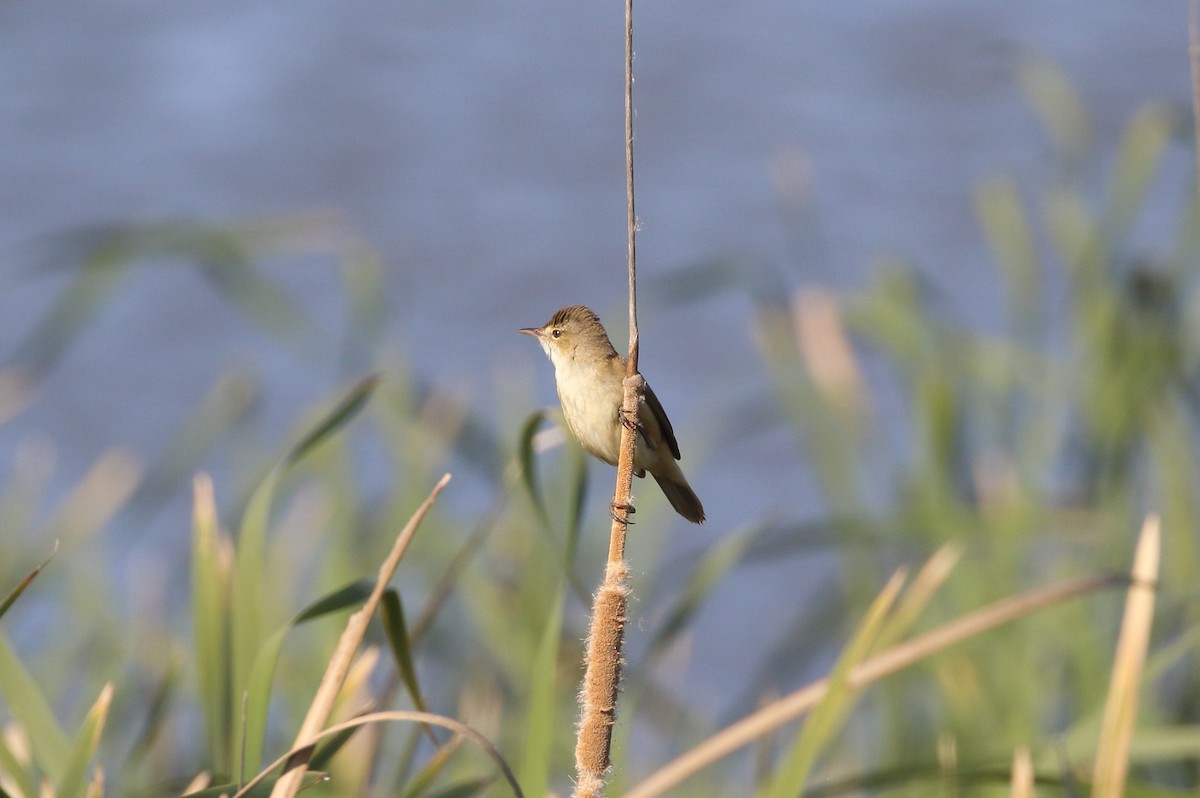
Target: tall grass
(1032, 456)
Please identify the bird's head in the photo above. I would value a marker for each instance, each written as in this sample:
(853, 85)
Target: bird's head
(571, 333)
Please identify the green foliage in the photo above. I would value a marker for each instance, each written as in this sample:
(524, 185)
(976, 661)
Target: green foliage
(1041, 450)
(74, 778)
(20, 588)
(830, 712)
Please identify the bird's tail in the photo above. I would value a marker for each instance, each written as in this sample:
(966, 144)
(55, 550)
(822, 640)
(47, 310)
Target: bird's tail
(681, 496)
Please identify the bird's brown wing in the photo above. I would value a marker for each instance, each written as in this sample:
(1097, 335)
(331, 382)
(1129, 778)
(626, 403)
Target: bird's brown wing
(664, 423)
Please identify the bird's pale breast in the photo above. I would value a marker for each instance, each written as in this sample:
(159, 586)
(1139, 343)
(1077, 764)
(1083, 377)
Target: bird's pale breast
(591, 399)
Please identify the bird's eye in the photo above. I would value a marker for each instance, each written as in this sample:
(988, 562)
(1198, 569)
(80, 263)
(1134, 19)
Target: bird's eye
(556, 333)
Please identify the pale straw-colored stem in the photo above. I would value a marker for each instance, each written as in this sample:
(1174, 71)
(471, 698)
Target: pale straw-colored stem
(343, 656)
(900, 656)
(1121, 707)
(409, 716)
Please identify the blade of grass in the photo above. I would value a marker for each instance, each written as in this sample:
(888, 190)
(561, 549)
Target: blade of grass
(401, 643)
(232, 272)
(248, 649)
(454, 571)
(423, 780)
(540, 733)
(327, 750)
(527, 460)
(96, 281)
(156, 712)
(385, 717)
(227, 403)
(1120, 708)
(577, 491)
(922, 779)
(20, 772)
(343, 656)
(97, 497)
(1169, 656)
(343, 412)
(251, 557)
(1073, 232)
(1022, 774)
(366, 299)
(838, 697)
(713, 566)
(210, 624)
(1059, 108)
(24, 583)
(464, 789)
(95, 788)
(1152, 744)
(1146, 139)
(576, 504)
(396, 630)
(28, 704)
(262, 674)
(1002, 216)
(340, 599)
(74, 781)
(894, 659)
(246, 622)
(932, 576)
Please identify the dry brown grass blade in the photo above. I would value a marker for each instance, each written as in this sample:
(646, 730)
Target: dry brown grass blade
(343, 656)
(95, 499)
(1022, 774)
(898, 657)
(1120, 708)
(95, 788)
(920, 592)
(200, 781)
(385, 717)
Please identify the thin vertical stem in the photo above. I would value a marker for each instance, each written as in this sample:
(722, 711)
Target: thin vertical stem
(631, 214)
(289, 782)
(598, 697)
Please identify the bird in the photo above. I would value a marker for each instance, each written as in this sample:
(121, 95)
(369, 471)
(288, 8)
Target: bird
(589, 374)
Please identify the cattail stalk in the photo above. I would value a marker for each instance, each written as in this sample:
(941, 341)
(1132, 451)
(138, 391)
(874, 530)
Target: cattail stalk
(598, 697)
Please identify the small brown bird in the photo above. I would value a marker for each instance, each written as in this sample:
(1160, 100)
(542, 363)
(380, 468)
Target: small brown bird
(590, 375)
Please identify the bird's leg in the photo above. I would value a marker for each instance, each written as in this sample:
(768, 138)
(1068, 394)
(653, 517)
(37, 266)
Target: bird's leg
(629, 418)
(628, 508)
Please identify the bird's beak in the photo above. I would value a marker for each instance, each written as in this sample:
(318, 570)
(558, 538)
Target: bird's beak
(536, 332)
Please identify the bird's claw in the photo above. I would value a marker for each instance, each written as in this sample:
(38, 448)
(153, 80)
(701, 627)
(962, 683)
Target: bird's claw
(629, 419)
(628, 508)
